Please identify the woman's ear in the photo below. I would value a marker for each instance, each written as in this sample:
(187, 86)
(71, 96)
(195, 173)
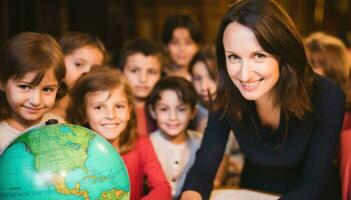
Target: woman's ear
(152, 112)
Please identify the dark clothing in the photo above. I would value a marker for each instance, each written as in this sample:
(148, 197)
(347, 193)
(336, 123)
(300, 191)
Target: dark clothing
(296, 160)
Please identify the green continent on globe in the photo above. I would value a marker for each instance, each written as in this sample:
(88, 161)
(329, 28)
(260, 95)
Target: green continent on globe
(55, 154)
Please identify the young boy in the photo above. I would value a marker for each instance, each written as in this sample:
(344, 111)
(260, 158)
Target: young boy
(172, 104)
(140, 62)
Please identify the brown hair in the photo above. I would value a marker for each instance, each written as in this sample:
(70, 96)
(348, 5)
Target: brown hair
(277, 35)
(207, 55)
(140, 45)
(71, 41)
(30, 52)
(102, 79)
(330, 54)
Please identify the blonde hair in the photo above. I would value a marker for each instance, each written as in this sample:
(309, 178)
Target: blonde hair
(102, 79)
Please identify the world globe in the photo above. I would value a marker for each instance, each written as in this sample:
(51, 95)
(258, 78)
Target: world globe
(62, 161)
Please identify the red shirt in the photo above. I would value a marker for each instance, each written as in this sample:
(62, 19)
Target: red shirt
(142, 162)
(345, 157)
(141, 121)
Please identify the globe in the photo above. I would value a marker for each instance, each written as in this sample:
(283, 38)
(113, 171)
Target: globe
(62, 161)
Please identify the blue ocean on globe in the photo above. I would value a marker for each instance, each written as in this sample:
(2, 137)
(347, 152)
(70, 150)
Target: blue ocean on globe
(62, 161)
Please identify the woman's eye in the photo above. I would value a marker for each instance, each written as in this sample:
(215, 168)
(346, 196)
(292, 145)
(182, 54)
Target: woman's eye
(259, 57)
(232, 57)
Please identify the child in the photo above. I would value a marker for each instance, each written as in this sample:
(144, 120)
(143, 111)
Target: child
(102, 100)
(141, 65)
(31, 74)
(82, 51)
(203, 70)
(203, 74)
(181, 40)
(172, 104)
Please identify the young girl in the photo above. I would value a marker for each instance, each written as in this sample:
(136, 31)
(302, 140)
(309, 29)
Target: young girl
(31, 74)
(286, 119)
(172, 104)
(103, 101)
(181, 40)
(81, 52)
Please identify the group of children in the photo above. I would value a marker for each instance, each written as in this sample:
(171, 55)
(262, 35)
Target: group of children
(153, 109)
(144, 109)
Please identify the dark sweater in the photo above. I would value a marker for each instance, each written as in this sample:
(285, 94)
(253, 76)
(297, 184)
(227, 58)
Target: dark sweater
(296, 160)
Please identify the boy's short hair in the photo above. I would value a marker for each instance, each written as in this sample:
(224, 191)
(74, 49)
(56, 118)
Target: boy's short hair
(140, 45)
(180, 21)
(182, 87)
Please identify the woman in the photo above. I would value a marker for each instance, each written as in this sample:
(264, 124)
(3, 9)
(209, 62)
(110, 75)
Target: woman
(286, 119)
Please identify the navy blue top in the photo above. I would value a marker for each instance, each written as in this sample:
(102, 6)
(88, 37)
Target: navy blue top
(300, 167)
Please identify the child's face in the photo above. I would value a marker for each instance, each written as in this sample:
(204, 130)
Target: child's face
(108, 112)
(182, 48)
(172, 115)
(203, 82)
(142, 73)
(28, 102)
(80, 61)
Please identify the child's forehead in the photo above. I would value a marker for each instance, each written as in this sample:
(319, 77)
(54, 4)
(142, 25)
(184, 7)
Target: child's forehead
(169, 96)
(140, 56)
(35, 77)
(113, 94)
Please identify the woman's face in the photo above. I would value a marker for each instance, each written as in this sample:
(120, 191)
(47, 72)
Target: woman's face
(253, 71)
(182, 47)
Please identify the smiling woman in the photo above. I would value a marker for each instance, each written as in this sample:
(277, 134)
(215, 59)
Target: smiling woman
(286, 119)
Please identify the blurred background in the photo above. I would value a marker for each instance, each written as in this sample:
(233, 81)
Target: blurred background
(116, 21)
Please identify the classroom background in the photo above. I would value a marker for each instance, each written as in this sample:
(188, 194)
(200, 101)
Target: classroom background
(117, 21)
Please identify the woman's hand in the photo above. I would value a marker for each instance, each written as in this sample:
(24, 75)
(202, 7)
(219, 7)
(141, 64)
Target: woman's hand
(190, 195)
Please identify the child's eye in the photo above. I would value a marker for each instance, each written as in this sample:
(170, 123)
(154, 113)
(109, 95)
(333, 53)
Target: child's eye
(48, 89)
(78, 64)
(163, 109)
(24, 86)
(182, 109)
(97, 107)
(134, 70)
(197, 78)
(120, 106)
(153, 72)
